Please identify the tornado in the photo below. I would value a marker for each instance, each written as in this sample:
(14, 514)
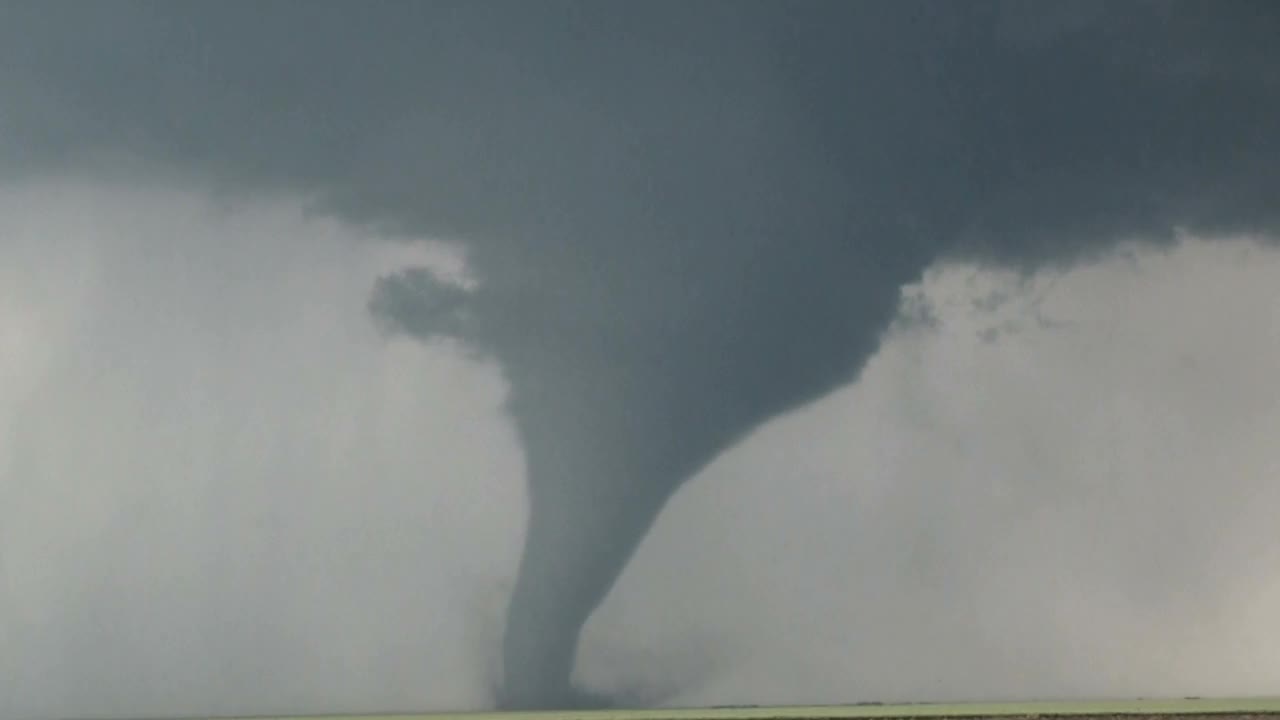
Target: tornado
(740, 264)
(618, 402)
(684, 219)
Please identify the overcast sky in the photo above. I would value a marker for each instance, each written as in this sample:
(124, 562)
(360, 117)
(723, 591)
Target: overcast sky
(226, 488)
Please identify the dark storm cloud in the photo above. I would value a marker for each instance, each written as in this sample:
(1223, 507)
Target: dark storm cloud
(685, 218)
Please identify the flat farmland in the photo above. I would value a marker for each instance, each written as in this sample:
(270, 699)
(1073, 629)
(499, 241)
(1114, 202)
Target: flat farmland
(1177, 709)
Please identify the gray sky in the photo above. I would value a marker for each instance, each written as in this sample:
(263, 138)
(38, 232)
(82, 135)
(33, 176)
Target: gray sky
(227, 488)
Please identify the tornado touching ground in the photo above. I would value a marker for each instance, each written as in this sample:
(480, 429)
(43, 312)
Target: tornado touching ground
(680, 219)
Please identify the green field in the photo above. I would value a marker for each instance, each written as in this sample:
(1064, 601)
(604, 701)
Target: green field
(1187, 706)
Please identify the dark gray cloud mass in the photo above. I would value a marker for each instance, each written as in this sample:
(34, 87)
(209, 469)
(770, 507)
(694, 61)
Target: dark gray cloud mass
(685, 218)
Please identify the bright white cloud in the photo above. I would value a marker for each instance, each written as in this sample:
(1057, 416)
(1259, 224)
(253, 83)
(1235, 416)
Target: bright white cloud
(223, 490)
(1081, 504)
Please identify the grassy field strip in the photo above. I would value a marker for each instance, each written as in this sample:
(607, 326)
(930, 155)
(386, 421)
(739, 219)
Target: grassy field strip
(1189, 706)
